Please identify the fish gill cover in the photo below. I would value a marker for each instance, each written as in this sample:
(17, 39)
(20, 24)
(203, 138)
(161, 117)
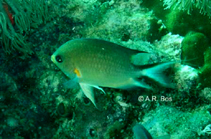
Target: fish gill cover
(35, 103)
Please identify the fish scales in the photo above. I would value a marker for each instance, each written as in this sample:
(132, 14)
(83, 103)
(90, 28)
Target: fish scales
(103, 63)
(93, 63)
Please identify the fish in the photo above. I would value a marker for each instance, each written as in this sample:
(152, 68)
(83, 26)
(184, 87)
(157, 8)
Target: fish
(140, 132)
(95, 63)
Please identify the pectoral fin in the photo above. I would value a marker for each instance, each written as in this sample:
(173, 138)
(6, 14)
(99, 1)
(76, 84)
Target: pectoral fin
(88, 92)
(71, 83)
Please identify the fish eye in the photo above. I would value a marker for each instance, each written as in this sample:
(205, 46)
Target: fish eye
(58, 58)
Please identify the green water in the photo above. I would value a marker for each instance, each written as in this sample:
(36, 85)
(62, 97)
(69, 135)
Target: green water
(35, 104)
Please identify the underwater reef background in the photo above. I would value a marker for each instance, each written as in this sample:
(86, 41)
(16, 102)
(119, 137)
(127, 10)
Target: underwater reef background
(35, 104)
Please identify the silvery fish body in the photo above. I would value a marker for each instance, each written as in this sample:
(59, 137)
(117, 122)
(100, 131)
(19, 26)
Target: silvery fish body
(101, 63)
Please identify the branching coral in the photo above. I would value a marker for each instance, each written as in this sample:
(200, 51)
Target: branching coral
(17, 17)
(10, 39)
(188, 5)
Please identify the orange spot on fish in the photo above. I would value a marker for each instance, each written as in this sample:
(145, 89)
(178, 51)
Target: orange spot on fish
(77, 72)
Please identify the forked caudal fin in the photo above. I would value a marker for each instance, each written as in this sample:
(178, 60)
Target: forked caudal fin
(156, 73)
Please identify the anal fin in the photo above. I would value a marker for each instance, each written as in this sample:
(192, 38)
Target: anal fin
(88, 91)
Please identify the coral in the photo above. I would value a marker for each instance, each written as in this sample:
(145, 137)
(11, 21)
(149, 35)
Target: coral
(205, 71)
(177, 123)
(170, 46)
(17, 18)
(188, 5)
(206, 93)
(186, 77)
(193, 47)
(6, 82)
(196, 53)
(9, 38)
(179, 22)
(112, 130)
(129, 20)
(156, 6)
